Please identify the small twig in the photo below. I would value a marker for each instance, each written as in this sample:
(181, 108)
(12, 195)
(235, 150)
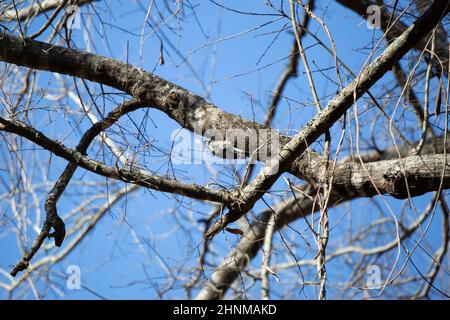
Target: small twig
(266, 254)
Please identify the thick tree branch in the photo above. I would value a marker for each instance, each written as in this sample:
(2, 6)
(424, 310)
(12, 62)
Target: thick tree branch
(285, 212)
(325, 118)
(296, 207)
(396, 29)
(190, 111)
(193, 112)
(35, 9)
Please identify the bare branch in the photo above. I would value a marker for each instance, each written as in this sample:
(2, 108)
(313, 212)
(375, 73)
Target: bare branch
(35, 9)
(131, 176)
(329, 115)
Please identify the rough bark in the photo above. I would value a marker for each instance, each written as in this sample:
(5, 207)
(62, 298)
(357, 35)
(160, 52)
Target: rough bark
(396, 29)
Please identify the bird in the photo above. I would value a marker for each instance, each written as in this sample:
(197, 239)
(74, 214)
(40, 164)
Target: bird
(225, 149)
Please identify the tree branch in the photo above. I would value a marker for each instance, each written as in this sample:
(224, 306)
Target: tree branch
(325, 118)
(130, 176)
(396, 29)
(34, 10)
